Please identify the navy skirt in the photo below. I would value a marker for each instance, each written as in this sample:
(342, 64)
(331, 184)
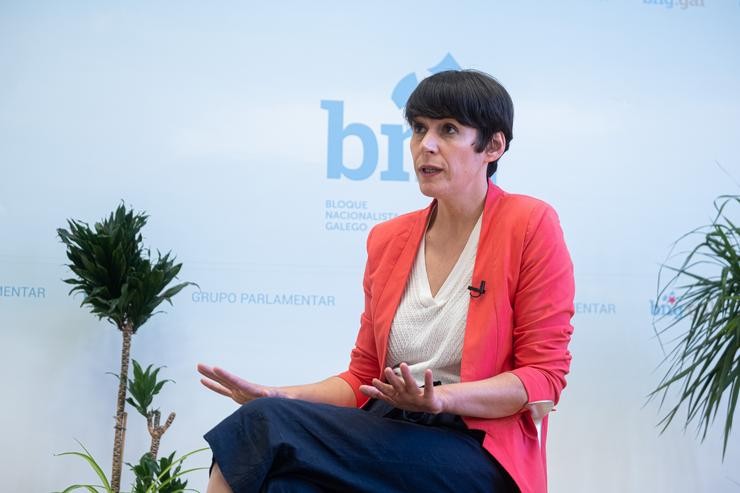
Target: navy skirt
(289, 445)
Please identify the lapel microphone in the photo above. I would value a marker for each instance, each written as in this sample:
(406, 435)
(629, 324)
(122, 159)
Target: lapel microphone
(479, 291)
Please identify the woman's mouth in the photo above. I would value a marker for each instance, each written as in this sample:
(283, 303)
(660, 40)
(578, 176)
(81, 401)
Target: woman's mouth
(429, 170)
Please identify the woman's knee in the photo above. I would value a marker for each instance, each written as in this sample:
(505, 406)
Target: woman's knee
(271, 408)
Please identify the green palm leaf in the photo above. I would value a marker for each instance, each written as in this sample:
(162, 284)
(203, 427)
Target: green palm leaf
(702, 364)
(87, 456)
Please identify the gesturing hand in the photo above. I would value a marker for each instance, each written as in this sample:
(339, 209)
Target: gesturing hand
(403, 393)
(229, 385)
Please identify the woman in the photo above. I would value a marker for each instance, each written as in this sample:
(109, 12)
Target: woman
(466, 322)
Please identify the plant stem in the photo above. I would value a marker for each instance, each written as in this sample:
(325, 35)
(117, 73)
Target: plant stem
(120, 435)
(157, 431)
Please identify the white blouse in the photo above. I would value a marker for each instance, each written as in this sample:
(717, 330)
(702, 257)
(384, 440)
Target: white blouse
(428, 331)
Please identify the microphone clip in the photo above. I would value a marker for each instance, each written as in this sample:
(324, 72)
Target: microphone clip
(479, 291)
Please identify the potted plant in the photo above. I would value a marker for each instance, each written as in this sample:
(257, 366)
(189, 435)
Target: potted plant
(122, 283)
(703, 365)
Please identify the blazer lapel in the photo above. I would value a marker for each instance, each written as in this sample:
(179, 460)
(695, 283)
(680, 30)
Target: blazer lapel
(407, 246)
(478, 344)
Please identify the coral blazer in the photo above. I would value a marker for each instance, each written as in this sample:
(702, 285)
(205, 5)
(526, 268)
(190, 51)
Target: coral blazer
(520, 325)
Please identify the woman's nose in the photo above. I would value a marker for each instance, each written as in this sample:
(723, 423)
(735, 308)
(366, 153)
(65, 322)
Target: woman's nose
(429, 142)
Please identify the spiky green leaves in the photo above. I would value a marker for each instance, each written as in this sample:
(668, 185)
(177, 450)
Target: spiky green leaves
(117, 276)
(161, 476)
(143, 387)
(703, 365)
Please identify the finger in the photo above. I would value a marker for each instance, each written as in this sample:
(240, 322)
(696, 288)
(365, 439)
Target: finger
(380, 394)
(370, 391)
(395, 381)
(219, 389)
(384, 388)
(428, 383)
(409, 382)
(205, 370)
(228, 379)
(218, 375)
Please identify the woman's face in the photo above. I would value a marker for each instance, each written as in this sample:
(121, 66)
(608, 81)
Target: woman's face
(445, 160)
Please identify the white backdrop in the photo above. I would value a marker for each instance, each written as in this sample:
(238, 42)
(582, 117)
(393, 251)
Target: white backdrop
(225, 122)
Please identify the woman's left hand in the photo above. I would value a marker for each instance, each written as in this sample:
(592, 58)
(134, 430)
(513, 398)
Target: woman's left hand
(403, 393)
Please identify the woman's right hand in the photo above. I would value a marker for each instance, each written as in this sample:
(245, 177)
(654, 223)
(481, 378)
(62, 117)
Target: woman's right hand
(229, 385)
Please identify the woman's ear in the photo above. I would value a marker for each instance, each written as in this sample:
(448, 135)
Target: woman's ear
(496, 146)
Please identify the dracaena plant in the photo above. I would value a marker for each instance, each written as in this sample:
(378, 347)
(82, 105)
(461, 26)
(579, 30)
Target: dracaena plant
(703, 364)
(151, 476)
(142, 389)
(119, 279)
(162, 476)
(121, 282)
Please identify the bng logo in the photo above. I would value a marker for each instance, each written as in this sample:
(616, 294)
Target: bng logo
(666, 306)
(396, 134)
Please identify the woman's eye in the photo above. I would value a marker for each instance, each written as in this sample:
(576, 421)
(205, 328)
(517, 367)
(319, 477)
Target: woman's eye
(449, 129)
(418, 129)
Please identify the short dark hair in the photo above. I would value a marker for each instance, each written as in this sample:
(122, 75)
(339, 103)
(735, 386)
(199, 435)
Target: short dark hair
(471, 97)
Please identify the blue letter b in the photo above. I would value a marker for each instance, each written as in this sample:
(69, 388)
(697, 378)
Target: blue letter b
(335, 150)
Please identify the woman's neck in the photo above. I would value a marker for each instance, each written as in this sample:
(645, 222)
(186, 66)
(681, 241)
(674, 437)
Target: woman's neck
(457, 217)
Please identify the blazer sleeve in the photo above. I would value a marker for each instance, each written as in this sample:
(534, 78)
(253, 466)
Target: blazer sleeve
(543, 307)
(364, 364)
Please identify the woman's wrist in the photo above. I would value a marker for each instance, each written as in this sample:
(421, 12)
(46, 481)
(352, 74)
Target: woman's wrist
(443, 399)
